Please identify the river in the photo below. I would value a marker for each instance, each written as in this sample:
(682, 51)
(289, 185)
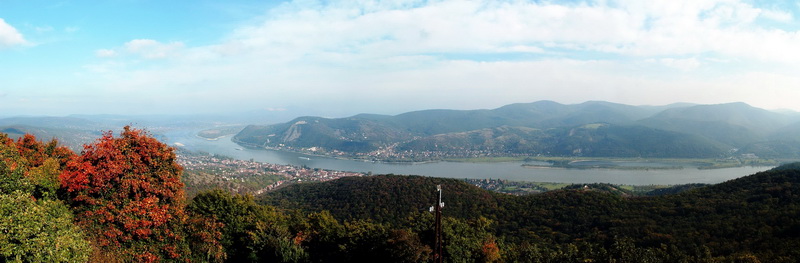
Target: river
(504, 170)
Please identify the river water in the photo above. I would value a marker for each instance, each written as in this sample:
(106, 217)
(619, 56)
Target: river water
(505, 170)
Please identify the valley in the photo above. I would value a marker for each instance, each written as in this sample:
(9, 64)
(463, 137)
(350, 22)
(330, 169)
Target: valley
(651, 192)
(530, 142)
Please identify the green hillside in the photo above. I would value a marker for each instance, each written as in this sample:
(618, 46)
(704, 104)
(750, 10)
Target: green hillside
(543, 127)
(789, 132)
(384, 198)
(499, 140)
(736, 124)
(739, 114)
(599, 140)
(349, 134)
(594, 140)
(751, 217)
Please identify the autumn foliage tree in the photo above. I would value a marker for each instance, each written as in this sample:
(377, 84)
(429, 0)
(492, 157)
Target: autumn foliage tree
(127, 193)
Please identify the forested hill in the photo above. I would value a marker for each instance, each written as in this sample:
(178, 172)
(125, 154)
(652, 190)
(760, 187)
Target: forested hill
(753, 215)
(543, 127)
(385, 198)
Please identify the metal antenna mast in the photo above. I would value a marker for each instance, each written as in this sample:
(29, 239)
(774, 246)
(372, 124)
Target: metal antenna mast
(438, 256)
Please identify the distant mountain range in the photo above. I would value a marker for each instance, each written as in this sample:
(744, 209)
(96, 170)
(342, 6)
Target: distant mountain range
(78, 129)
(594, 128)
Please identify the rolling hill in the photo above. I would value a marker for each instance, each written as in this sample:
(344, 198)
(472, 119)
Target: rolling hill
(595, 140)
(69, 137)
(736, 124)
(543, 127)
(753, 215)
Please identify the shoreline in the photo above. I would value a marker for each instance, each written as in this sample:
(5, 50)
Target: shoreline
(620, 168)
(689, 163)
(557, 162)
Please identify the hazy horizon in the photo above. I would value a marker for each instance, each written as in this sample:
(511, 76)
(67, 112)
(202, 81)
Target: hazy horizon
(288, 115)
(338, 59)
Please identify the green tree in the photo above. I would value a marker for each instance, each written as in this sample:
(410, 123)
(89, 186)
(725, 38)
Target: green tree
(251, 232)
(322, 236)
(12, 168)
(469, 240)
(274, 243)
(39, 231)
(34, 225)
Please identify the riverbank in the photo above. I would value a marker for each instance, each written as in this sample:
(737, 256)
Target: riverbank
(218, 133)
(622, 163)
(508, 170)
(571, 162)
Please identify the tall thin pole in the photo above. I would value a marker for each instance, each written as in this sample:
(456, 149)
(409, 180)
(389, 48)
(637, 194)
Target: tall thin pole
(438, 255)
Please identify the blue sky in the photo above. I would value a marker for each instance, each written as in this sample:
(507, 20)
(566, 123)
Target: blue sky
(340, 58)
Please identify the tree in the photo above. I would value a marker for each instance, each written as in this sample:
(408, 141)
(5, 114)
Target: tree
(127, 193)
(205, 235)
(12, 168)
(37, 152)
(34, 225)
(39, 231)
(469, 240)
(251, 232)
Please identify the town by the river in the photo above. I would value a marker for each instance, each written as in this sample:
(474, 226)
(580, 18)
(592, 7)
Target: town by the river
(189, 140)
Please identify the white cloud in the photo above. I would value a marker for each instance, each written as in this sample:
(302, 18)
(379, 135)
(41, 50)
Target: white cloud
(42, 29)
(377, 53)
(152, 49)
(9, 36)
(106, 67)
(105, 53)
(685, 64)
(303, 30)
(778, 15)
(632, 28)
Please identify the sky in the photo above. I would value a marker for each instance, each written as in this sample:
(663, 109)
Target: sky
(339, 58)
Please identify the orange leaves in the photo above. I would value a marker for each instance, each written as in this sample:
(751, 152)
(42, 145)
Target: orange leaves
(36, 152)
(13, 166)
(128, 188)
(490, 251)
(77, 178)
(299, 238)
(31, 149)
(125, 193)
(146, 257)
(110, 237)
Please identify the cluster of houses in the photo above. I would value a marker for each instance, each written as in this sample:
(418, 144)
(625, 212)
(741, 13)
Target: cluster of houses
(233, 170)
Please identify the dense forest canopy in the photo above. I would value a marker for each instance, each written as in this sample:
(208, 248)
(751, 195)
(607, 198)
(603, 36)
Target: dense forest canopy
(754, 216)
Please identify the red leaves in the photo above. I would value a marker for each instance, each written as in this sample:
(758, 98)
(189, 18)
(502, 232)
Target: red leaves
(129, 189)
(37, 152)
(76, 179)
(146, 257)
(31, 149)
(490, 251)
